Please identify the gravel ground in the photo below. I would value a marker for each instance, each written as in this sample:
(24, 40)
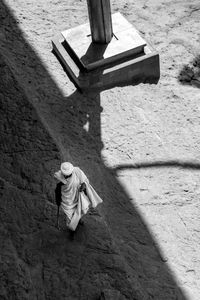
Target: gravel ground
(142, 156)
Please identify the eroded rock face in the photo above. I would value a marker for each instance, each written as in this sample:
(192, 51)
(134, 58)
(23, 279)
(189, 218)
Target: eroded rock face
(27, 158)
(28, 155)
(37, 260)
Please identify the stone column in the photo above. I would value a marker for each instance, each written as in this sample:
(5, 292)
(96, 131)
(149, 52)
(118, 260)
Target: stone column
(100, 21)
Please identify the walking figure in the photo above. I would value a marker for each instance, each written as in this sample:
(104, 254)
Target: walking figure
(74, 194)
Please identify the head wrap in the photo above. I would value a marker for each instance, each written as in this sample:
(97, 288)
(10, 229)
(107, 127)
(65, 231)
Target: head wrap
(66, 168)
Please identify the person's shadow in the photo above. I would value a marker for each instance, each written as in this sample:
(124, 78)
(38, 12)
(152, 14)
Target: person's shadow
(119, 230)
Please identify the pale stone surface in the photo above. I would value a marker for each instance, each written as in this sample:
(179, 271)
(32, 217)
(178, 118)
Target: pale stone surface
(131, 127)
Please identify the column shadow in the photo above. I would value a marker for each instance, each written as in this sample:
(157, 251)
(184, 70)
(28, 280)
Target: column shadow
(80, 124)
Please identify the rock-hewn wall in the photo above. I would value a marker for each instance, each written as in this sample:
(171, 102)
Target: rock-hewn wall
(27, 159)
(28, 154)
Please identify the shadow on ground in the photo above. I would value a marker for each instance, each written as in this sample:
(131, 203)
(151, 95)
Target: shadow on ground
(114, 251)
(190, 74)
(161, 164)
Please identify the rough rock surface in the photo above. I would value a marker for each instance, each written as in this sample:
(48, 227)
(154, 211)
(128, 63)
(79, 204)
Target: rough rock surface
(139, 146)
(38, 261)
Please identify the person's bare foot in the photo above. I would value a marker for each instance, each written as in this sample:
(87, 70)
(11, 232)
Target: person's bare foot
(93, 211)
(81, 222)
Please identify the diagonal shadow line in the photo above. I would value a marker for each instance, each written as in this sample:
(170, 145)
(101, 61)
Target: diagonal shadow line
(131, 234)
(161, 164)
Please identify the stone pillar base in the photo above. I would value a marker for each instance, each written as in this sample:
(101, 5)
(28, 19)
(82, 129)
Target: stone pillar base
(127, 59)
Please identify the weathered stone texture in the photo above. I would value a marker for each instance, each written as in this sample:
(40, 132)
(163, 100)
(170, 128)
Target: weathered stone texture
(36, 260)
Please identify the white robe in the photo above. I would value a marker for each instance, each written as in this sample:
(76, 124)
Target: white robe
(75, 203)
